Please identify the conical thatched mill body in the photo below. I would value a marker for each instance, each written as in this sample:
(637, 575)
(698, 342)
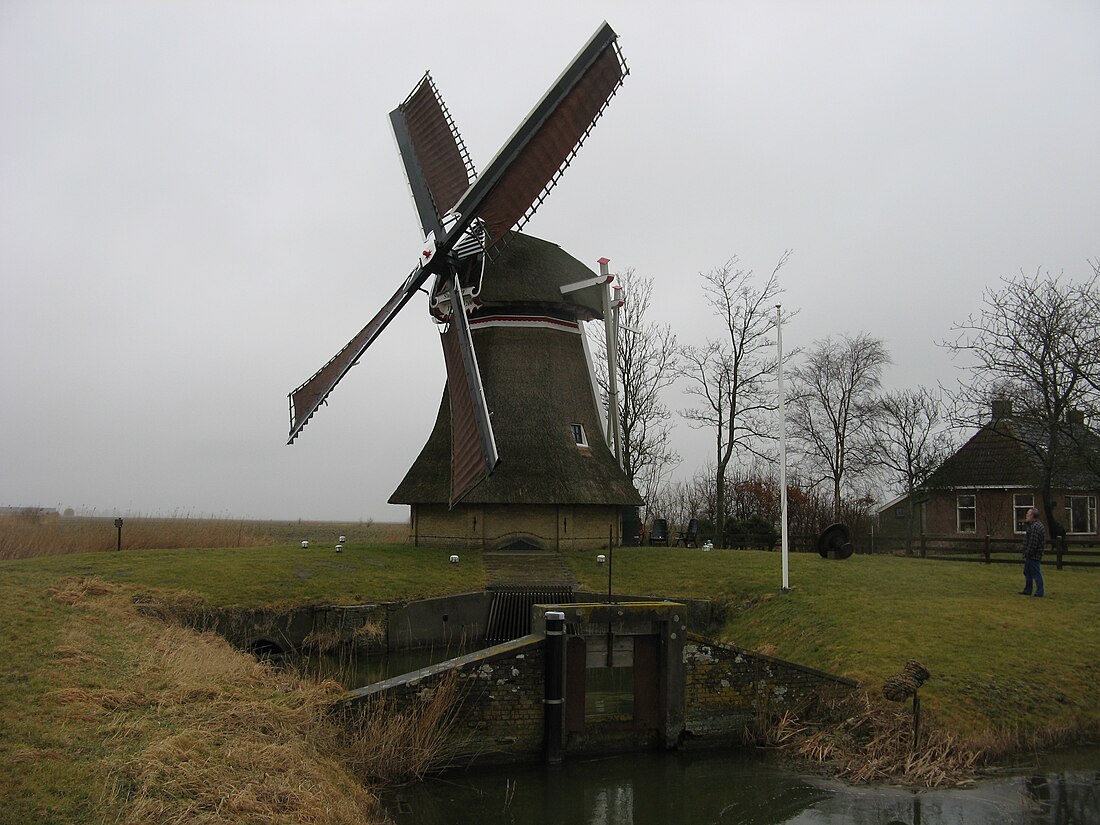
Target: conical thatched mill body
(557, 485)
(518, 454)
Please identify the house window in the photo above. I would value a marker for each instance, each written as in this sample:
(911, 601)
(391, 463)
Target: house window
(1021, 503)
(1081, 514)
(578, 435)
(966, 514)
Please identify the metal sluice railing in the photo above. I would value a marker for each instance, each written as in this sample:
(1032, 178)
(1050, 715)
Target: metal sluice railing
(510, 610)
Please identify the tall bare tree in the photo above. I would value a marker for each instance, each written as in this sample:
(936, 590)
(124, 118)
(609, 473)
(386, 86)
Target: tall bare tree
(646, 367)
(909, 441)
(1035, 342)
(731, 376)
(832, 391)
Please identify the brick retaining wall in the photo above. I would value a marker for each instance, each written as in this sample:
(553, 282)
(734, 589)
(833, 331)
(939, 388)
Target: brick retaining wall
(728, 690)
(501, 689)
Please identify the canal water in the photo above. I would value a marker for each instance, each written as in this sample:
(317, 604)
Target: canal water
(742, 788)
(730, 787)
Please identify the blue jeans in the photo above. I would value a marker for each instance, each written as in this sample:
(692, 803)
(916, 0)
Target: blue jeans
(1033, 571)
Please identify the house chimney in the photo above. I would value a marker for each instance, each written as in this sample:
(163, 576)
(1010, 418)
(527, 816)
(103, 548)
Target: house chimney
(1075, 417)
(1002, 408)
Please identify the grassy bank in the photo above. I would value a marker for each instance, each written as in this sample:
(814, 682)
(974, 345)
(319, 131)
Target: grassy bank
(1007, 671)
(107, 715)
(256, 576)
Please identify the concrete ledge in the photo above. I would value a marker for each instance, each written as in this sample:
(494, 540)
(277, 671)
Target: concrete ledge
(465, 661)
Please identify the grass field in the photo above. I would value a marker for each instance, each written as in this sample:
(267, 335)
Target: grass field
(107, 715)
(1006, 669)
(30, 537)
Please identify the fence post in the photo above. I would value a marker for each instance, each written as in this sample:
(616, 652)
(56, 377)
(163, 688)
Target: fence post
(1061, 549)
(923, 545)
(987, 548)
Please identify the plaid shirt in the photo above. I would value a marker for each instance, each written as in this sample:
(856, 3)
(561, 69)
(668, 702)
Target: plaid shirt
(1034, 540)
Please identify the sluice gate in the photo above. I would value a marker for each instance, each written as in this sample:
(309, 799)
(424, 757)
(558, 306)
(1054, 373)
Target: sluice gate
(510, 609)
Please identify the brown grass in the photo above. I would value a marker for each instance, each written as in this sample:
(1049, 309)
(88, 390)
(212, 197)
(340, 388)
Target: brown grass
(388, 745)
(181, 728)
(31, 536)
(865, 739)
(22, 538)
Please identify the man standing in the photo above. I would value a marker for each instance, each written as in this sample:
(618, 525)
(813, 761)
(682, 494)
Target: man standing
(1035, 537)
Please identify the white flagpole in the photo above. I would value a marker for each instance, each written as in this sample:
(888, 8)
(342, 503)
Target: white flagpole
(611, 331)
(782, 447)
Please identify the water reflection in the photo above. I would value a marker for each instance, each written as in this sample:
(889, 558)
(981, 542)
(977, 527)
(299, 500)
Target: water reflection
(733, 789)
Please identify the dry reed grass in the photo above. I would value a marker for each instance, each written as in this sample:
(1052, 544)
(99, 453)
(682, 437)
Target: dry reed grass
(1007, 743)
(22, 538)
(194, 731)
(31, 536)
(862, 739)
(389, 744)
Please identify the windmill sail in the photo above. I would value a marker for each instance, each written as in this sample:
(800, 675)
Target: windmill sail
(305, 400)
(473, 448)
(518, 179)
(437, 164)
(512, 187)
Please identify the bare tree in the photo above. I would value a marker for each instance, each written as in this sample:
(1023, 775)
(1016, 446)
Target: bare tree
(1035, 343)
(832, 392)
(731, 376)
(909, 442)
(646, 366)
(682, 500)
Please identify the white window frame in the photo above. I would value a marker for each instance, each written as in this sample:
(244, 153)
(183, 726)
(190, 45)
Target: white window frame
(1090, 511)
(972, 507)
(580, 438)
(1019, 511)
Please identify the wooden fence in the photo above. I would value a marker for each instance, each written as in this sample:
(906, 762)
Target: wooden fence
(1067, 552)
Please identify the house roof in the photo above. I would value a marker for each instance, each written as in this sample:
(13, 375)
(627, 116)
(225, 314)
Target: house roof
(1005, 453)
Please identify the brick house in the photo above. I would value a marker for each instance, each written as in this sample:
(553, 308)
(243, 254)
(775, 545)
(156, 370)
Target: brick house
(988, 484)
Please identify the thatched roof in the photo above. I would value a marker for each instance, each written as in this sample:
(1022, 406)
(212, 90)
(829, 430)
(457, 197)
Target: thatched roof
(531, 272)
(537, 385)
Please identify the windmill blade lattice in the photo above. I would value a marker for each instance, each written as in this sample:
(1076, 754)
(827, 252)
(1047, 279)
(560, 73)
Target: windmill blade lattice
(518, 179)
(462, 218)
(473, 447)
(307, 398)
(437, 164)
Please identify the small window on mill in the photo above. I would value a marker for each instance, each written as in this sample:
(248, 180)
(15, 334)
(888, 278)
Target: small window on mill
(578, 435)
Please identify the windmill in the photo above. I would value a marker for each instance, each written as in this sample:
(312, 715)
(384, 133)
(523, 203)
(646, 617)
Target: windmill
(491, 280)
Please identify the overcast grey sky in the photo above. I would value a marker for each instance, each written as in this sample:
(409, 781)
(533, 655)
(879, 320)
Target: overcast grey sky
(201, 202)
